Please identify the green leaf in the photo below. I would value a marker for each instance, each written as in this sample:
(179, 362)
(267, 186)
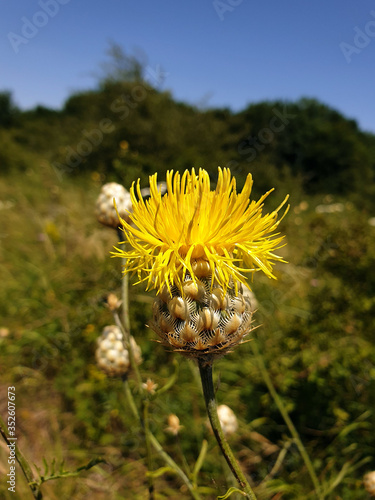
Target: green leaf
(171, 381)
(38, 469)
(353, 427)
(62, 473)
(92, 463)
(61, 468)
(200, 460)
(229, 493)
(160, 472)
(45, 467)
(346, 469)
(278, 486)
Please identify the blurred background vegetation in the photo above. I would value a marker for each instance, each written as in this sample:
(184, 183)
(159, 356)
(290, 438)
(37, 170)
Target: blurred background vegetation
(316, 322)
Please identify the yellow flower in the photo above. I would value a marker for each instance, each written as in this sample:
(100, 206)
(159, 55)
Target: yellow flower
(191, 223)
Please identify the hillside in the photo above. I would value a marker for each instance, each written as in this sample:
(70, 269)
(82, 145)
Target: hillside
(126, 129)
(316, 322)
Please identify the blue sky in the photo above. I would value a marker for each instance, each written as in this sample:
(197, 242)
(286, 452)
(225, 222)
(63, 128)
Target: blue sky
(215, 53)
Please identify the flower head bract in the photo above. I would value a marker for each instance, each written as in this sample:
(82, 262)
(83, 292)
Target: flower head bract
(169, 234)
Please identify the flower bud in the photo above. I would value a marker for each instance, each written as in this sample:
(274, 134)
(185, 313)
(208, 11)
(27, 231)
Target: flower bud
(113, 302)
(111, 354)
(4, 332)
(204, 322)
(228, 419)
(150, 386)
(105, 209)
(369, 483)
(174, 426)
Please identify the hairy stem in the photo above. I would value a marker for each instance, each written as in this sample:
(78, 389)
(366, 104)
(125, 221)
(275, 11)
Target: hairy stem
(209, 396)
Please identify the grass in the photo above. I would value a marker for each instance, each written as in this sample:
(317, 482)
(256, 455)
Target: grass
(315, 337)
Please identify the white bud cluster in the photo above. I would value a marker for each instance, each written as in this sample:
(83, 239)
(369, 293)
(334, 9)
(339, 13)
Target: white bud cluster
(105, 210)
(369, 483)
(111, 354)
(228, 419)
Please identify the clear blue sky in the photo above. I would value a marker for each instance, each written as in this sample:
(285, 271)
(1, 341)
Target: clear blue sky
(251, 52)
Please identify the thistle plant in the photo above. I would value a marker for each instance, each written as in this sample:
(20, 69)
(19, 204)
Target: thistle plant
(197, 247)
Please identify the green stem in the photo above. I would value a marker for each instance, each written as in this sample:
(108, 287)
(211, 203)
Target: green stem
(209, 396)
(157, 446)
(169, 460)
(133, 364)
(125, 291)
(146, 423)
(125, 301)
(23, 463)
(125, 324)
(279, 461)
(182, 455)
(130, 399)
(284, 413)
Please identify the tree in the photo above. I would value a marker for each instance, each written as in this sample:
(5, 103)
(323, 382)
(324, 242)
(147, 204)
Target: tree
(8, 110)
(121, 66)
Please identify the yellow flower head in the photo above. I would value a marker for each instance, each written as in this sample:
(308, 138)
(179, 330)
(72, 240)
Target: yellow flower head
(170, 234)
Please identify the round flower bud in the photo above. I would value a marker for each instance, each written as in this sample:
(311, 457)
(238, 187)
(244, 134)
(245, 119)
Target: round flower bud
(369, 483)
(205, 321)
(111, 354)
(228, 419)
(113, 303)
(4, 332)
(105, 209)
(174, 426)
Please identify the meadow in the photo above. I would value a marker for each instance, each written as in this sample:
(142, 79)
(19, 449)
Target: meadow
(315, 324)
